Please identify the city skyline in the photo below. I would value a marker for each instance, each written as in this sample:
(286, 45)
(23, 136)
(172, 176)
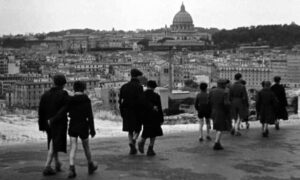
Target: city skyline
(38, 16)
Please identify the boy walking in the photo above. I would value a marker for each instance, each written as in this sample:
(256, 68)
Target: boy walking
(203, 108)
(81, 125)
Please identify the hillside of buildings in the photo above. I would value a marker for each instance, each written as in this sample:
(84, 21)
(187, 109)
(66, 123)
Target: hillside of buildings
(271, 35)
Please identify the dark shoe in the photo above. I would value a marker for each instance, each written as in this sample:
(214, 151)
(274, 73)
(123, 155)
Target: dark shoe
(200, 139)
(92, 167)
(232, 132)
(218, 146)
(237, 133)
(72, 172)
(48, 171)
(277, 126)
(133, 150)
(265, 133)
(150, 151)
(141, 145)
(58, 167)
(208, 138)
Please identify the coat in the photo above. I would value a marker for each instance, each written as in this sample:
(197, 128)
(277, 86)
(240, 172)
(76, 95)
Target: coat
(52, 101)
(153, 115)
(279, 92)
(81, 114)
(130, 101)
(239, 100)
(266, 106)
(220, 108)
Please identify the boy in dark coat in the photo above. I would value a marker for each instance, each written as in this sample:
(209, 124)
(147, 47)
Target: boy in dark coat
(203, 108)
(266, 107)
(239, 101)
(220, 106)
(153, 118)
(52, 101)
(279, 92)
(81, 125)
(130, 101)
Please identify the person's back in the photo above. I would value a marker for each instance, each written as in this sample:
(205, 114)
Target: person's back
(80, 112)
(154, 116)
(130, 93)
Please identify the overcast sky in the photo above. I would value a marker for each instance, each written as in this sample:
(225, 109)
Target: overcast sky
(26, 16)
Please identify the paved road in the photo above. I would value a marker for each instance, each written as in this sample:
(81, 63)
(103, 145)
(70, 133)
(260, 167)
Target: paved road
(179, 156)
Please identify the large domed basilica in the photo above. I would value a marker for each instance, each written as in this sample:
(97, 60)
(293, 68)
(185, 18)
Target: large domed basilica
(182, 21)
(181, 34)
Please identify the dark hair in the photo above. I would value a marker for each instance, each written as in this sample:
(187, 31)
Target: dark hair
(59, 80)
(263, 83)
(237, 76)
(243, 82)
(277, 79)
(151, 84)
(203, 86)
(79, 86)
(135, 73)
(227, 81)
(267, 84)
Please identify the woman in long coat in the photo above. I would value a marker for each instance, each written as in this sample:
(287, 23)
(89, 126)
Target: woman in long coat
(266, 107)
(279, 92)
(220, 107)
(152, 119)
(53, 120)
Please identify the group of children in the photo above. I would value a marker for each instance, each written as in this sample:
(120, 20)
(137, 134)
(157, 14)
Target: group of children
(228, 102)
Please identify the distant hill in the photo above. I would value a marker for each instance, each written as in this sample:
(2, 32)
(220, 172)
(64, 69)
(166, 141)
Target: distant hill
(71, 31)
(273, 35)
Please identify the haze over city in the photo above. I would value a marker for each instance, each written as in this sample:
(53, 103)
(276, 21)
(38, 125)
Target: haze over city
(36, 16)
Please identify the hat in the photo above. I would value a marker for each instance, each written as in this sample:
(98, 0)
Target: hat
(135, 73)
(59, 79)
(151, 84)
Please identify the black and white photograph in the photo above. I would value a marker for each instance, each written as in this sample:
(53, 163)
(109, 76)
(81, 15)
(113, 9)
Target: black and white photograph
(150, 89)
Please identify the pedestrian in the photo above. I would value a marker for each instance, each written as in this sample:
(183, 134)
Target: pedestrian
(246, 119)
(220, 107)
(239, 99)
(152, 120)
(54, 123)
(203, 109)
(130, 101)
(266, 107)
(81, 125)
(279, 91)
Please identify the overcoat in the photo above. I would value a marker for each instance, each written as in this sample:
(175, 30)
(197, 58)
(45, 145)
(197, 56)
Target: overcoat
(130, 101)
(266, 106)
(81, 115)
(153, 116)
(239, 100)
(219, 102)
(52, 101)
(279, 92)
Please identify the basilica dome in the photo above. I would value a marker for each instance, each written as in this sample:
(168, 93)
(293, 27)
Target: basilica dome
(182, 21)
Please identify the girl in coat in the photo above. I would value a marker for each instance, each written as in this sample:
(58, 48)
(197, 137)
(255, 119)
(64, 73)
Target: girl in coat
(266, 107)
(81, 125)
(152, 120)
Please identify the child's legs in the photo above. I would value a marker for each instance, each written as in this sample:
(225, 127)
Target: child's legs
(218, 137)
(86, 148)
(201, 123)
(208, 126)
(50, 154)
(152, 141)
(73, 141)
